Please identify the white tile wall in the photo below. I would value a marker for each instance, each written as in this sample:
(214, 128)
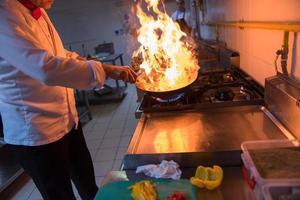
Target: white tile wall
(257, 47)
(94, 21)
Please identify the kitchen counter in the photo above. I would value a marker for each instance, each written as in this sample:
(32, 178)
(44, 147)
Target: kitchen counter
(202, 131)
(202, 137)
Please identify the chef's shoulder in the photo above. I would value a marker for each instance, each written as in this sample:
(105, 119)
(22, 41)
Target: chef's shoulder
(10, 14)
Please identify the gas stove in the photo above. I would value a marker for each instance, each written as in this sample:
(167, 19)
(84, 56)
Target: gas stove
(237, 93)
(213, 88)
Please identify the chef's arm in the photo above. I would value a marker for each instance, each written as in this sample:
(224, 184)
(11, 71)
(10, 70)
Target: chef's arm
(124, 73)
(72, 54)
(20, 49)
(116, 72)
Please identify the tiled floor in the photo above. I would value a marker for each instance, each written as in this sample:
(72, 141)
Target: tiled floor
(107, 137)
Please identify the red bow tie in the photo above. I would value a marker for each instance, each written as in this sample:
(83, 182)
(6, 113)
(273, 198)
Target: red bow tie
(35, 11)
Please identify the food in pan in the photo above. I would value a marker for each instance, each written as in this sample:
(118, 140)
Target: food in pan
(167, 60)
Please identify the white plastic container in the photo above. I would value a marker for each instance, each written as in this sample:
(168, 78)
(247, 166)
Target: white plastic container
(255, 179)
(281, 191)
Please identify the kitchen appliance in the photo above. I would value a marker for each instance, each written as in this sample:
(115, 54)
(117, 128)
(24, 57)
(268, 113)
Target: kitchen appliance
(167, 93)
(206, 123)
(214, 87)
(200, 136)
(211, 53)
(208, 134)
(283, 100)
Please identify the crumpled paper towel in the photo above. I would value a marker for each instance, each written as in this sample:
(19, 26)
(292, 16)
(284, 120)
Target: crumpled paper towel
(166, 169)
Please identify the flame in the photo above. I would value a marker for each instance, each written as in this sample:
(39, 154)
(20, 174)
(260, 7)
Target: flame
(167, 61)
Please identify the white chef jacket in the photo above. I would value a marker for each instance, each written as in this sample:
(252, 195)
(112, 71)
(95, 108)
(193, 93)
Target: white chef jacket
(36, 76)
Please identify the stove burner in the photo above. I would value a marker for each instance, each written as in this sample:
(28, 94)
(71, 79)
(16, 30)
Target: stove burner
(229, 93)
(170, 99)
(224, 94)
(246, 94)
(226, 88)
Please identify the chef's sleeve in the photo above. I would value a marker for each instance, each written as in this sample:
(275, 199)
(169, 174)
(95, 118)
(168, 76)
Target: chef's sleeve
(20, 48)
(71, 54)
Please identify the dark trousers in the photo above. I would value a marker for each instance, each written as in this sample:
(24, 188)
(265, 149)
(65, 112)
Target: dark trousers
(52, 167)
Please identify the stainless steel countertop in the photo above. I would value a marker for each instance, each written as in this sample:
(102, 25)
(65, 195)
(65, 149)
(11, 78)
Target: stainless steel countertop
(211, 137)
(202, 131)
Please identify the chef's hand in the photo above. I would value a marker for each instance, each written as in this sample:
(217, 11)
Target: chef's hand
(124, 73)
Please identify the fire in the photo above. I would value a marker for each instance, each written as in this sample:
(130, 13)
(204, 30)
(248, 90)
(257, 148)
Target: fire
(167, 60)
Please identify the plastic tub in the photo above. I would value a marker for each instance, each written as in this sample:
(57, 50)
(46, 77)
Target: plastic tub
(282, 191)
(270, 161)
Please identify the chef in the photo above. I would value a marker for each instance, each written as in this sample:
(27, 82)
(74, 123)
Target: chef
(183, 18)
(37, 77)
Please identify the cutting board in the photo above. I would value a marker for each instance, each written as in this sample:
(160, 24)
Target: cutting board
(164, 188)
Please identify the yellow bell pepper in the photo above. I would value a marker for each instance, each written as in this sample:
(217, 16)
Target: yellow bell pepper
(143, 190)
(207, 177)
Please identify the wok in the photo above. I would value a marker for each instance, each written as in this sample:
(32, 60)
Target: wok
(166, 93)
